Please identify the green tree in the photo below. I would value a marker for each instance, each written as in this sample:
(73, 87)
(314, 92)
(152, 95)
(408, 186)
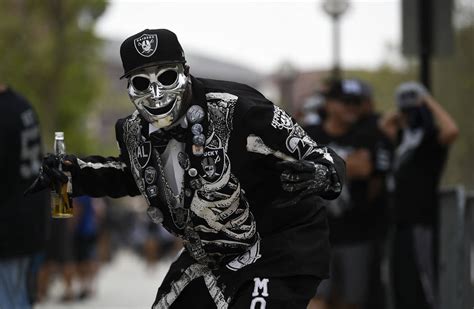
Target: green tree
(453, 81)
(50, 53)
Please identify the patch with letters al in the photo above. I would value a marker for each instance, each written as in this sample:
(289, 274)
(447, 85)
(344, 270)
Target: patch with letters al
(143, 153)
(146, 44)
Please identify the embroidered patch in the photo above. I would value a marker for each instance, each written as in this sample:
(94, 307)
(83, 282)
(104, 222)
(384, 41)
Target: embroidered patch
(143, 154)
(150, 175)
(212, 164)
(298, 142)
(146, 44)
(152, 191)
(281, 120)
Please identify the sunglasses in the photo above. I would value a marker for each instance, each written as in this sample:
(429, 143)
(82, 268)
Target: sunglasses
(165, 78)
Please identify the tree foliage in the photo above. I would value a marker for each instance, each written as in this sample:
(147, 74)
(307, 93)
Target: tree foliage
(453, 79)
(50, 54)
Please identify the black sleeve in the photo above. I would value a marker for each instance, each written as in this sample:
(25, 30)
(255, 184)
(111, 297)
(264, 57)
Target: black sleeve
(104, 176)
(273, 131)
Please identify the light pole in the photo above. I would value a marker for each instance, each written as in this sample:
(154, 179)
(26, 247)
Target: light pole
(287, 74)
(335, 9)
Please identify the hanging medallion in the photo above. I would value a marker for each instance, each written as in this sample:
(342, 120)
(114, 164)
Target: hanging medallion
(183, 160)
(192, 172)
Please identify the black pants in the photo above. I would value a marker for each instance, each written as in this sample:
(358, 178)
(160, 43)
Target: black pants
(413, 267)
(191, 285)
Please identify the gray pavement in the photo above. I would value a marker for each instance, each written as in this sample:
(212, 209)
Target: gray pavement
(125, 283)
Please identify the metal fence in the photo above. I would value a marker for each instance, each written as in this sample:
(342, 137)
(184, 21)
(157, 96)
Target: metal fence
(455, 247)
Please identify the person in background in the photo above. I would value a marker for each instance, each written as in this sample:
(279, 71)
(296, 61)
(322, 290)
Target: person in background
(350, 215)
(22, 219)
(368, 127)
(152, 241)
(59, 259)
(313, 107)
(422, 131)
(87, 213)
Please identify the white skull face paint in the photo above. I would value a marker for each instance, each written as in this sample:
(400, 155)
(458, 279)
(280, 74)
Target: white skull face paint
(157, 93)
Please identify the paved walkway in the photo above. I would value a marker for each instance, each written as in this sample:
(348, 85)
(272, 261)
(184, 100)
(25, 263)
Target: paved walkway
(126, 283)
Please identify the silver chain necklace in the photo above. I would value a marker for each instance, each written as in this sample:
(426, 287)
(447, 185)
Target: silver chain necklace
(174, 201)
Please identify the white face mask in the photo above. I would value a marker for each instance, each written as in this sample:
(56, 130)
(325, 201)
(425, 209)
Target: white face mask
(157, 93)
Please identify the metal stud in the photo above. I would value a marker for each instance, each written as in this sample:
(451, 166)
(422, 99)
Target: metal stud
(195, 184)
(199, 140)
(197, 129)
(198, 150)
(195, 114)
(192, 172)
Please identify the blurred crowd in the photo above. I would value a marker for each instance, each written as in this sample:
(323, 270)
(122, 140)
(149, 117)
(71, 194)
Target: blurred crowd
(75, 248)
(383, 227)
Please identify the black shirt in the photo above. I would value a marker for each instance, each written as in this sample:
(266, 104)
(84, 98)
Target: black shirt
(368, 129)
(417, 173)
(22, 219)
(351, 216)
(382, 151)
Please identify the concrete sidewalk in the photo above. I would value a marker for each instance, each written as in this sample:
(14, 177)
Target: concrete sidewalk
(127, 282)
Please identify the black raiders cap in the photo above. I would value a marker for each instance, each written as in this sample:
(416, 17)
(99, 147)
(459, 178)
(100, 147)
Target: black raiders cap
(347, 90)
(150, 47)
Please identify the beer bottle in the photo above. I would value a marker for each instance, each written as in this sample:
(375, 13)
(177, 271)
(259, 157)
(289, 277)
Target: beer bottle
(61, 202)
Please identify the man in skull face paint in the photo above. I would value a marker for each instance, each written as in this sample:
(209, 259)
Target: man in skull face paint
(254, 231)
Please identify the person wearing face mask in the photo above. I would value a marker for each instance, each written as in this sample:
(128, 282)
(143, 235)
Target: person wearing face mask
(422, 132)
(224, 169)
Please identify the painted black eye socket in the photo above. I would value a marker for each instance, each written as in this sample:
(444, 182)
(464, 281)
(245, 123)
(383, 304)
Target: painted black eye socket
(140, 83)
(168, 78)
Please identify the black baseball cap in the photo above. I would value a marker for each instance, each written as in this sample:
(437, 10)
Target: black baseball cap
(150, 47)
(345, 90)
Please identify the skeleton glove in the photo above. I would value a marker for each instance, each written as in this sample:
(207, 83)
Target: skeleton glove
(305, 178)
(49, 175)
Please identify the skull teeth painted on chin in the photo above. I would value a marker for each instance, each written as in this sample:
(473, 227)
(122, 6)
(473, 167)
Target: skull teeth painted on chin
(160, 117)
(161, 111)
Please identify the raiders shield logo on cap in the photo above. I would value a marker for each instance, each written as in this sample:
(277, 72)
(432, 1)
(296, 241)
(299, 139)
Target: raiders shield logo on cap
(146, 44)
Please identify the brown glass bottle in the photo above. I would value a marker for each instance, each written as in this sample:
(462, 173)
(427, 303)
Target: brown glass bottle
(61, 202)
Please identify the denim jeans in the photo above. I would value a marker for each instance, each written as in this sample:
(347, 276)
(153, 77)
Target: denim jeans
(13, 283)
